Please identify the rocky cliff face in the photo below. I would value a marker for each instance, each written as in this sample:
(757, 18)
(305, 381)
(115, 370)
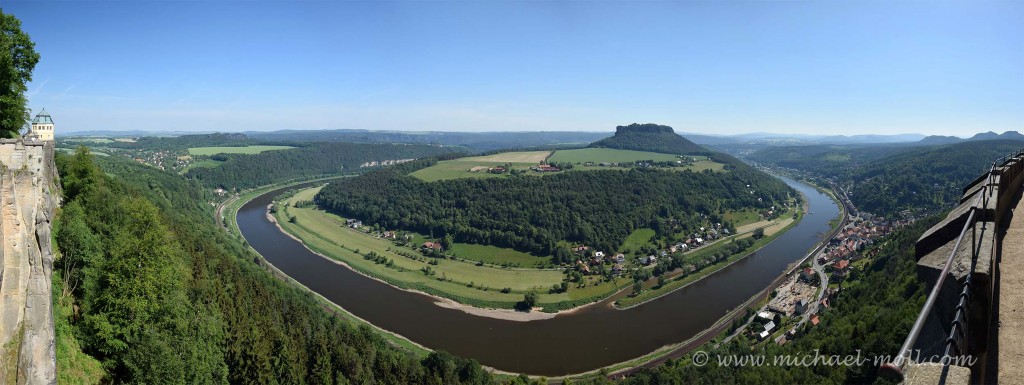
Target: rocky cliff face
(28, 196)
(649, 128)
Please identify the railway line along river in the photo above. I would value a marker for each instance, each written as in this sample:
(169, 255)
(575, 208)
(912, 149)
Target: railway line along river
(590, 338)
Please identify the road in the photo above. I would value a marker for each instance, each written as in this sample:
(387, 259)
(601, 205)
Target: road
(820, 269)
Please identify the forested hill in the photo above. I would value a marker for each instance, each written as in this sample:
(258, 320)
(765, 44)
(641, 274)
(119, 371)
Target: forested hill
(927, 179)
(534, 213)
(148, 289)
(887, 180)
(650, 137)
(244, 171)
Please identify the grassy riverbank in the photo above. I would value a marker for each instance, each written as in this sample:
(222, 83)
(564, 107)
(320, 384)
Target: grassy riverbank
(230, 212)
(464, 281)
(653, 291)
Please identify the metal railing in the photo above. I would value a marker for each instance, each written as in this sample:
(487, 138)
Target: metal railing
(956, 342)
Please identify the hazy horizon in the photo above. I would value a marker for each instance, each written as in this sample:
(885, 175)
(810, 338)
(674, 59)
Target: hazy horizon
(714, 68)
(612, 131)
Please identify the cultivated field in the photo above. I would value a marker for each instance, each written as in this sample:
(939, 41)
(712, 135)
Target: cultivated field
(460, 168)
(534, 157)
(234, 150)
(598, 155)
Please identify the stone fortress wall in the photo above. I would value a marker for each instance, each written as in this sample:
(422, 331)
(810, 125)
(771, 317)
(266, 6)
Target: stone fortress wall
(29, 194)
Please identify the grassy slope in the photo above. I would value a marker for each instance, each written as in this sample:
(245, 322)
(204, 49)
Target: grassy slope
(638, 238)
(743, 217)
(201, 163)
(496, 255)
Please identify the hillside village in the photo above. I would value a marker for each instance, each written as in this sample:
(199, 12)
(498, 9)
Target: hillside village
(801, 300)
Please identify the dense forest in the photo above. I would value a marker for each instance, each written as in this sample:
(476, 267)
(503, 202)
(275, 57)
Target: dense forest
(186, 141)
(532, 214)
(824, 159)
(243, 171)
(650, 137)
(871, 316)
(150, 287)
(482, 141)
(886, 180)
(926, 179)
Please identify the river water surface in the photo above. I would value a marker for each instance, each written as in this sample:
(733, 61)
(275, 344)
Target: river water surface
(587, 339)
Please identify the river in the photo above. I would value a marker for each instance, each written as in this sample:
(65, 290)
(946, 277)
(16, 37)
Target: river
(587, 339)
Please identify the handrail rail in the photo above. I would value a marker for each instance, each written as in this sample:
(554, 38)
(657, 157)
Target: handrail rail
(894, 369)
(956, 340)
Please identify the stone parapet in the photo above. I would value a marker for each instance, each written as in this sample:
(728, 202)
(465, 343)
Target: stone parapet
(990, 198)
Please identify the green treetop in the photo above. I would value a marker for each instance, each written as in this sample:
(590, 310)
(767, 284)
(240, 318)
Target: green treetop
(18, 58)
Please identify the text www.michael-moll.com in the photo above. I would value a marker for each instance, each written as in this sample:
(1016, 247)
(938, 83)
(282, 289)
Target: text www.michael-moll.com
(816, 358)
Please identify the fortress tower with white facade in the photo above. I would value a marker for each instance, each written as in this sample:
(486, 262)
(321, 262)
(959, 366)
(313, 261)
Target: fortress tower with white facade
(42, 126)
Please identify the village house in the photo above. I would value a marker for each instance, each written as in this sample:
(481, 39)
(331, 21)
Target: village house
(354, 223)
(768, 327)
(648, 260)
(583, 267)
(432, 246)
(807, 274)
(801, 307)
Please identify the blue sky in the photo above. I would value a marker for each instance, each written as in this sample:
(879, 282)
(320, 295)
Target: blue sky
(724, 67)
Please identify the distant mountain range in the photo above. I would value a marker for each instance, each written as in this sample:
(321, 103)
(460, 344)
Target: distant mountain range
(487, 141)
(939, 139)
(767, 138)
